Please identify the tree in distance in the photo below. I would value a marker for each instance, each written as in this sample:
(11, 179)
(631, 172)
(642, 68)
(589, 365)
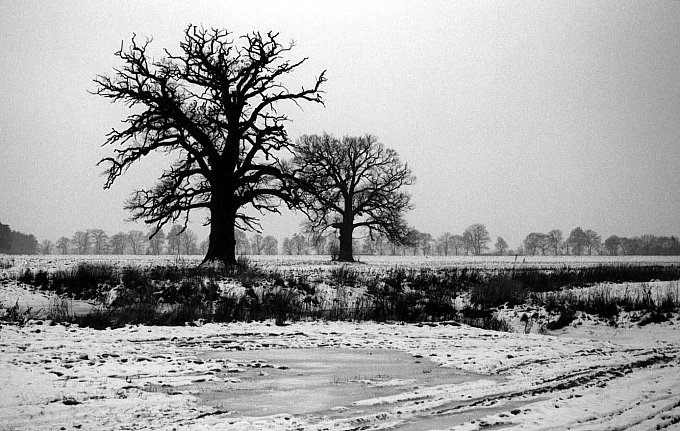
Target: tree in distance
(351, 183)
(593, 241)
(444, 243)
(81, 241)
(612, 244)
(215, 106)
(536, 241)
(501, 246)
(477, 238)
(135, 239)
(118, 243)
(46, 246)
(578, 240)
(555, 240)
(99, 240)
(156, 241)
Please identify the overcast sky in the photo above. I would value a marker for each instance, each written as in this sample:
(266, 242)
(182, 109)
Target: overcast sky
(524, 116)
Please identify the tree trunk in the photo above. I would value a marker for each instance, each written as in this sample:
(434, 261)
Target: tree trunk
(222, 241)
(346, 230)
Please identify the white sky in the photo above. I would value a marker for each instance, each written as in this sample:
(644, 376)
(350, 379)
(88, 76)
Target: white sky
(524, 116)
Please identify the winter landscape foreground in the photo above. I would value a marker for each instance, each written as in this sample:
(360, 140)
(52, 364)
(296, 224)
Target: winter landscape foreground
(593, 374)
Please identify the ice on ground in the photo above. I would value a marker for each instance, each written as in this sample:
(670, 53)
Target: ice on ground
(141, 377)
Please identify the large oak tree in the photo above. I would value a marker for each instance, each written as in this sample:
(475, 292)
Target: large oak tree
(351, 183)
(214, 105)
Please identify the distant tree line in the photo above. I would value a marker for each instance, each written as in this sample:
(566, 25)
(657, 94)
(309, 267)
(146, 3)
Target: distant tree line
(13, 242)
(178, 241)
(582, 242)
(475, 240)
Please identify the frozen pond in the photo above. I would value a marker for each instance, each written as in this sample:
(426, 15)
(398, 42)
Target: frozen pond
(320, 381)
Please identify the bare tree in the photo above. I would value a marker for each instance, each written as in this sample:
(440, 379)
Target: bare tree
(136, 240)
(382, 244)
(215, 105)
(242, 244)
(174, 242)
(535, 241)
(99, 240)
(203, 247)
(555, 240)
(612, 244)
(477, 238)
(593, 241)
(645, 242)
(118, 243)
(457, 243)
(156, 242)
(468, 241)
(425, 243)
(81, 242)
(286, 247)
(543, 243)
(271, 245)
(257, 244)
(320, 243)
(298, 244)
(188, 241)
(577, 240)
(501, 246)
(63, 244)
(351, 183)
(46, 246)
(412, 241)
(444, 243)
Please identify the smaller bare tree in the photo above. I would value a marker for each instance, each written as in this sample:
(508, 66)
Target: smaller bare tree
(351, 183)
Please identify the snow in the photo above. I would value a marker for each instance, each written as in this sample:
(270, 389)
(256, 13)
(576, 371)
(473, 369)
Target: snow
(151, 377)
(321, 374)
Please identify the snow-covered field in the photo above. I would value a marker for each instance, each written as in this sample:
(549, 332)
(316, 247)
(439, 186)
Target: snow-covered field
(315, 263)
(337, 375)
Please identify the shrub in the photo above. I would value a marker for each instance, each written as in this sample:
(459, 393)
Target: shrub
(16, 315)
(497, 290)
(566, 317)
(84, 281)
(60, 310)
(490, 322)
(344, 275)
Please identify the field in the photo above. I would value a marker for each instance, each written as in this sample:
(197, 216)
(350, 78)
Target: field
(317, 345)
